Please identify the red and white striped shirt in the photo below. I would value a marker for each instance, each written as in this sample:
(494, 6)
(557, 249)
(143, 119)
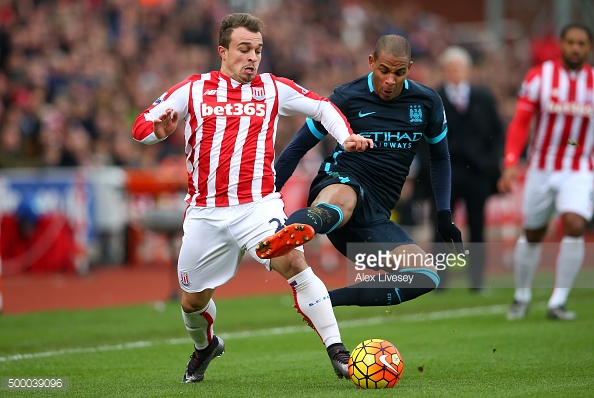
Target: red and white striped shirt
(563, 103)
(230, 131)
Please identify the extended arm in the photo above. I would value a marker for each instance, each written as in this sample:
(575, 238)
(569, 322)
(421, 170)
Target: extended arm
(296, 100)
(516, 137)
(160, 128)
(441, 173)
(519, 129)
(441, 182)
(158, 121)
(515, 142)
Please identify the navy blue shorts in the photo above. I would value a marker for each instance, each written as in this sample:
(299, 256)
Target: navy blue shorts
(369, 222)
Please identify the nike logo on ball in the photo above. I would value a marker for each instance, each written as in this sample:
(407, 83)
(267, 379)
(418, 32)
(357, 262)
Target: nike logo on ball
(382, 359)
(365, 114)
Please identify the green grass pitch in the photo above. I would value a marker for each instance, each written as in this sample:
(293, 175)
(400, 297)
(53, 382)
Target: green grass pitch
(454, 344)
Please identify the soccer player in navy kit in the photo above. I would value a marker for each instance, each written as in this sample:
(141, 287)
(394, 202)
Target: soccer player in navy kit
(353, 194)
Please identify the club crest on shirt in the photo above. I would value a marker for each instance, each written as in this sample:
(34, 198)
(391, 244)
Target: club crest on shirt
(184, 279)
(416, 113)
(258, 93)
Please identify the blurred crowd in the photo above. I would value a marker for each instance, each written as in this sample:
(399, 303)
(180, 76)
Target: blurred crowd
(75, 73)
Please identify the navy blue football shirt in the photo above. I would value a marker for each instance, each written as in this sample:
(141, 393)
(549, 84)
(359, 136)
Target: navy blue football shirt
(396, 127)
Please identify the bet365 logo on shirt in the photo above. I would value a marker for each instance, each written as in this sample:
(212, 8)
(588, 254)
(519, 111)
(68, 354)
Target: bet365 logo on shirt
(233, 109)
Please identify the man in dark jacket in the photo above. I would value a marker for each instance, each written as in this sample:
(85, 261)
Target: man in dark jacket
(475, 140)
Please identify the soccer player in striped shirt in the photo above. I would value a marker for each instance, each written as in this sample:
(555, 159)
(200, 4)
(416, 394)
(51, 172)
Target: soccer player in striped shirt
(559, 95)
(231, 119)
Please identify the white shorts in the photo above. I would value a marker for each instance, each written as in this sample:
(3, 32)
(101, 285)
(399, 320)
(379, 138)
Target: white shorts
(550, 192)
(216, 239)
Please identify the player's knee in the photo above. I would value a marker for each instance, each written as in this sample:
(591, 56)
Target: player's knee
(535, 235)
(573, 225)
(290, 264)
(341, 196)
(192, 302)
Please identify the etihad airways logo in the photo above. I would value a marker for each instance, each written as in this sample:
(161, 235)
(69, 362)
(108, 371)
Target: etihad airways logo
(392, 139)
(233, 109)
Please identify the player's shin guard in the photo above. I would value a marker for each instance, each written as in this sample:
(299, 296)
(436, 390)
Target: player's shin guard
(323, 217)
(199, 324)
(312, 301)
(362, 294)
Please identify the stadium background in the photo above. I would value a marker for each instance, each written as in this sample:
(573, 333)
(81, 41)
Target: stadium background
(107, 211)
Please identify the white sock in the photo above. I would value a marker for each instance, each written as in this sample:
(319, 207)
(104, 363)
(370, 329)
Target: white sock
(570, 258)
(313, 302)
(526, 259)
(199, 324)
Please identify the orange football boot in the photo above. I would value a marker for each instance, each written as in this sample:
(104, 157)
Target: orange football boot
(285, 240)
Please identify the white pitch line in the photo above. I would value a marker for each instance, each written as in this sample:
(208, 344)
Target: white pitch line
(429, 316)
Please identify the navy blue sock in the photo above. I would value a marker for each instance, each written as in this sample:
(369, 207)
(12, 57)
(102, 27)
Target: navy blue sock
(323, 217)
(362, 295)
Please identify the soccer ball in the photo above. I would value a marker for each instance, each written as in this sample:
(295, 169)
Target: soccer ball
(375, 363)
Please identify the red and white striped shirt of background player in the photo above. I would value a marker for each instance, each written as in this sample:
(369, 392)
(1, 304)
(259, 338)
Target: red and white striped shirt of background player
(563, 103)
(230, 131)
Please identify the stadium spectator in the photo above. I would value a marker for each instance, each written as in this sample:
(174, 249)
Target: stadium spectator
(13, 153)
(475, 139)
(230, 126)
(353, 194)
(558, 94)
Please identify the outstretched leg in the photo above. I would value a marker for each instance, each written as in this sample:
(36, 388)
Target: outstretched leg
(285, 240)
(408, 284)
(331, 209)
(422, 281)
(300, 228)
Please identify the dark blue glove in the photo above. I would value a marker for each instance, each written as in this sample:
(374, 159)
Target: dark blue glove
(448, 230)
